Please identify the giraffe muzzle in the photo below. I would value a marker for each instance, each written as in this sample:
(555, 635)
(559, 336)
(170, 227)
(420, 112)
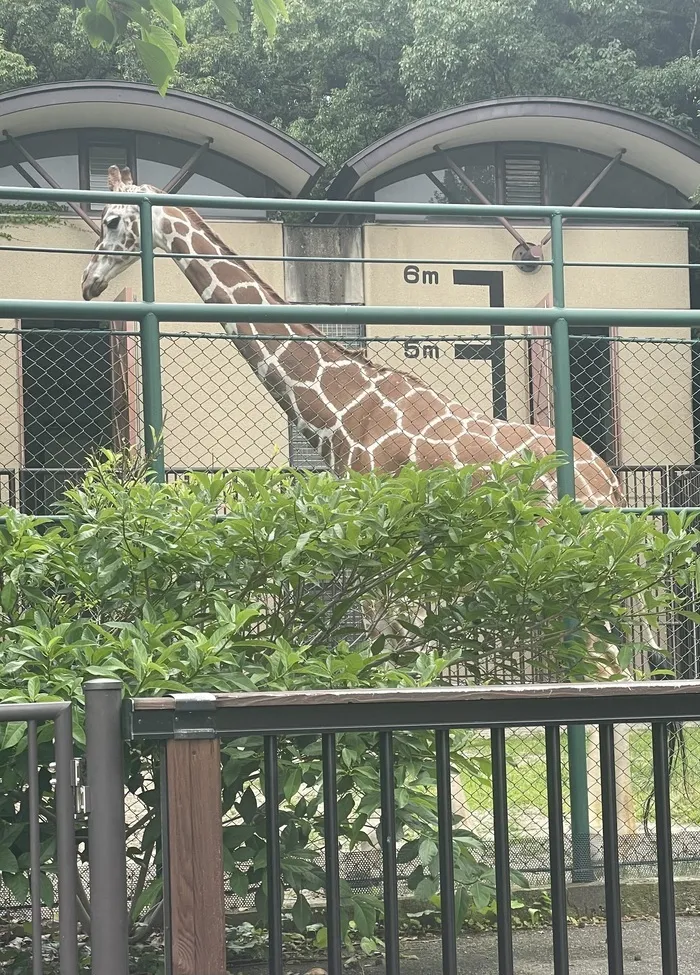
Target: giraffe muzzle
(93, 288)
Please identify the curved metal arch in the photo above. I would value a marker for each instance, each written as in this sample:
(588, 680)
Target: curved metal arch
(179, 114)
(417, 138)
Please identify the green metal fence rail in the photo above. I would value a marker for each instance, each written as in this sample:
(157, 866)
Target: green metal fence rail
(154, 344)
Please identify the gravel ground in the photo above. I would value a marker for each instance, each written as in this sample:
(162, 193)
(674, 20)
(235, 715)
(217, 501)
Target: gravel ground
(477, 954)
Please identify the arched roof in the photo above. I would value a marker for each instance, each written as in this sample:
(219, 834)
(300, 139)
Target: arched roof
(653, 147)
(192, 118)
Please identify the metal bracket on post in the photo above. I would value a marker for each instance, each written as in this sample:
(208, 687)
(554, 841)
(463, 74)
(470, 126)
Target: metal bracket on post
(194, 716)
(81, 790)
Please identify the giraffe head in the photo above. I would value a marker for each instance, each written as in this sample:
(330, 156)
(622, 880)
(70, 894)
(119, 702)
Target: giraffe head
(120, 232)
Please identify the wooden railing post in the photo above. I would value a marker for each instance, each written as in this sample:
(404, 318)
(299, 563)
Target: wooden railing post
(193, 838)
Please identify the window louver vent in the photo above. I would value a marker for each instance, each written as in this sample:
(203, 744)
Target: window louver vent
(523, 179)
(100, 158)
(301, 454)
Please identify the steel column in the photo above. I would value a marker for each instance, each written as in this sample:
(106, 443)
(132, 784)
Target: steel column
(150, 351)
(566, 486)
(109, 918)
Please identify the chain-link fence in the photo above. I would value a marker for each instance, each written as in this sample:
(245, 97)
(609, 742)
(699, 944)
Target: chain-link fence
(69, 389)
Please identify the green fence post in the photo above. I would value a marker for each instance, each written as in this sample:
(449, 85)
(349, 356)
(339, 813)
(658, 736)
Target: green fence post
(150, 351)
(582, 868)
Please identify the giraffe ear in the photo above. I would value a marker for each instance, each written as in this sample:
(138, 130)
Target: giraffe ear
(114, 178)
(126, 176)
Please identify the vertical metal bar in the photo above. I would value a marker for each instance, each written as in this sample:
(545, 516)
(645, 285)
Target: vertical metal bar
(502, 851)
(165, 859)
(150, 350)
(561, 372)
(391, 894)
(611, 853)
(566, 486)
(664, 849)
(446, 852)
(274, 859)
(109, 919)
(34, 845)
(557, 865)
(582, 866)
(66, 853)
(330, 822)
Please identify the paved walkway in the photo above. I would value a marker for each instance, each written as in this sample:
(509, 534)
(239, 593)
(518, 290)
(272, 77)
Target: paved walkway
(533, 953)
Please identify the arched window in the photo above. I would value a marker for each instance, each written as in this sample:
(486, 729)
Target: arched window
(521, 173)
(79, 158)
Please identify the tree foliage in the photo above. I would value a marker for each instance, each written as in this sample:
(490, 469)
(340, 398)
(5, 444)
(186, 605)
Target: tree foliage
(338, 77)
(153, 585)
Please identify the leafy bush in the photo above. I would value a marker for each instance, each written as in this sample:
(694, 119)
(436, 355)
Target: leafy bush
(254, 581)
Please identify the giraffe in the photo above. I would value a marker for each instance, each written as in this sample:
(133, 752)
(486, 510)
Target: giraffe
(363, 417)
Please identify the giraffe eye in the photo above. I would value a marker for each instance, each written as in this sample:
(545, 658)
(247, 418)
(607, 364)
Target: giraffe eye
(111, 222)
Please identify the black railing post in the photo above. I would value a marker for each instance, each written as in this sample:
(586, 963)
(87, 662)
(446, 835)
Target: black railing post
(664, 849)
(66, 854)
(109, 918)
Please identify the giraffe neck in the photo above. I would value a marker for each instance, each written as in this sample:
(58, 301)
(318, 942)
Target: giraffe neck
(291, 370)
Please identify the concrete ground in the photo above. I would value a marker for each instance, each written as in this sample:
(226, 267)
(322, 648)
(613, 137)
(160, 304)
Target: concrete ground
(477, 954)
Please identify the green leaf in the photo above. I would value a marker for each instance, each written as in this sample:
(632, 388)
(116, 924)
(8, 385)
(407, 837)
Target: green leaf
(238, 882)
(101, 31)
(269, 12)
(18, 885)
(247, 806)
(482, 895)
(163, 39)
(425, 889)
(8, 596)
(157, 63)
(47, 891)
(230, 13)
(8, 861)
(408, 852)
(365, 917)
(13, 732)
(462, 906)
(171, 15)
(427, 851)
(292, 783)
(301, 913)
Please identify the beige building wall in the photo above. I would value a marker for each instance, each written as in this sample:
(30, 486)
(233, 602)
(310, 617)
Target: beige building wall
(217, 413)
(653, 381)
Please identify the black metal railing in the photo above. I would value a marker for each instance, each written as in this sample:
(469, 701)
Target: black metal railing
(193, 722)
(644, 484)
(64, 810)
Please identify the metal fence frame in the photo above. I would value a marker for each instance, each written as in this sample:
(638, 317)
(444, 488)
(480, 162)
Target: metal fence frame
(191, 726)
(61, 715)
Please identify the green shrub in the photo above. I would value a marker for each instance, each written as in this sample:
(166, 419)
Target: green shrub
(254, 581)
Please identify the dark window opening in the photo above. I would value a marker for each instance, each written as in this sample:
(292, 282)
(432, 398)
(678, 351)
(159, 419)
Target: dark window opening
(67, 412)
(591, 389)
